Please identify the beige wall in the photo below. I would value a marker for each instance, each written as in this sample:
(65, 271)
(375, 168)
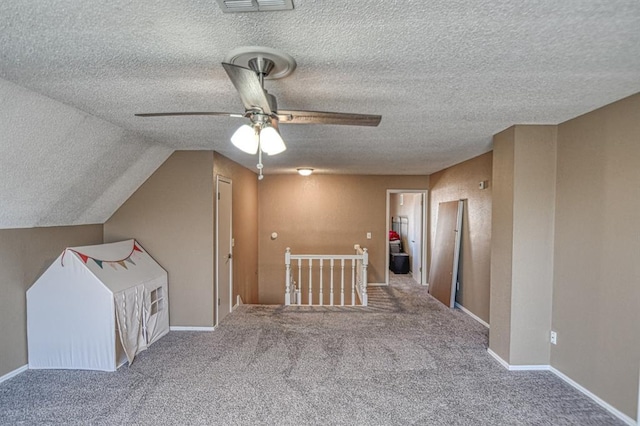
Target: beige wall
(461, 182)
(245, 227)
(24, 255)
(565, 244)
(501, 243)
(596, 294)
(532, 262)
(322, 214)
(524, 199)
(171, 214)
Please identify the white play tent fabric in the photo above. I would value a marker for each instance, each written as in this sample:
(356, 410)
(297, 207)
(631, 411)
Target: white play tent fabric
(96, 307)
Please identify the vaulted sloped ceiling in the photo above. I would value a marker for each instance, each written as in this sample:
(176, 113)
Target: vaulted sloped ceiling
(444, 75)
(61, 166)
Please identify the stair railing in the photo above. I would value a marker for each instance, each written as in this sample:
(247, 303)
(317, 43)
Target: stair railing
(326, 267)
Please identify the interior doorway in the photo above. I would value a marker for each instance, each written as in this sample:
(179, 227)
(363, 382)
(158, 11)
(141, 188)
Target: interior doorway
(224, 249)
(407, 213)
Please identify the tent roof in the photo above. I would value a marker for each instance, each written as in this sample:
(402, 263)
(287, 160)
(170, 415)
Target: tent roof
(118, 265)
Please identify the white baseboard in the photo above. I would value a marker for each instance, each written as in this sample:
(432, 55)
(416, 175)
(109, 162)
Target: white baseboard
(472, 315)
(181, 328)
(238, 302)
(502, 362)
(619, 414)
(376, 284)
(14, 373)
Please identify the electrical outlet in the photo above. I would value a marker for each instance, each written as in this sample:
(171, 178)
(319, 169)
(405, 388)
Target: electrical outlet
(368, 235)
(554, 338)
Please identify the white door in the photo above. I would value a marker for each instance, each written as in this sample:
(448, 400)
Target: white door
(415, 239)
(224, 250)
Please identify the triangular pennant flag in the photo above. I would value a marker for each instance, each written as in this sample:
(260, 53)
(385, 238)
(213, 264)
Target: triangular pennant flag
(84, 257)
(121, 263)
(98, 262)
(113, 265)
(136, 248)
(128, 259)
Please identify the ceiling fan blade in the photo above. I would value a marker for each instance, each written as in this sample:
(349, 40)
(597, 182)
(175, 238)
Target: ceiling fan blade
(167, 114)
(247, 83)
(321, 117)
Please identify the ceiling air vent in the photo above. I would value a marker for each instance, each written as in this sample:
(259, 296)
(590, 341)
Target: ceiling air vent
(234, 6)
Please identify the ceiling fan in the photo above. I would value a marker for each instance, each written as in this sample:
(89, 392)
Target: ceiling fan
(247, 68)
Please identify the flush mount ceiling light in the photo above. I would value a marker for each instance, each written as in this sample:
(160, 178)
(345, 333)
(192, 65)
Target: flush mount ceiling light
(247, 68)
(305, 171)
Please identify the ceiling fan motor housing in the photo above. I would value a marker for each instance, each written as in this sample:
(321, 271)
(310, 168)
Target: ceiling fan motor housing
(261, 65)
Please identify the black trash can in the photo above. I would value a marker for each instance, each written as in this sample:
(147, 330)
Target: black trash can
(399, 263)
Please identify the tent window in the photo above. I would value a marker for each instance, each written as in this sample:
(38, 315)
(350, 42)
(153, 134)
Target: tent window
(157, 300)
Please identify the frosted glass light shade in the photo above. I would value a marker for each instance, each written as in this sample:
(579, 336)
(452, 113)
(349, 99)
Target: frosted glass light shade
(245, 139)
(270, 141)
(305, 171)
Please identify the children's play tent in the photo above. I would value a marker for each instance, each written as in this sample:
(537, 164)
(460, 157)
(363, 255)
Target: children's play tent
(96, 307)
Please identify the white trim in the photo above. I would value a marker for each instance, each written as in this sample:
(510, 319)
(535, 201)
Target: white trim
(502, 362)
(505, 364)
(238, 302)
(14, 373)
(377, 284)
(619, 414)
(216, 301)
(533, 367)
(472, 315)
(181, 328)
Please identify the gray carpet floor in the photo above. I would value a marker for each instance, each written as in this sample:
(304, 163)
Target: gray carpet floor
(406, 360)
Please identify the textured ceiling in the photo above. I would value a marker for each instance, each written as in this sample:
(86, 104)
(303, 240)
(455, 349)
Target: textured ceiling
(444, 75)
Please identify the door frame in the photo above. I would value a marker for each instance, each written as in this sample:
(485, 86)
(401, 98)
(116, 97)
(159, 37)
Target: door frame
(424, 245)
(226, 180)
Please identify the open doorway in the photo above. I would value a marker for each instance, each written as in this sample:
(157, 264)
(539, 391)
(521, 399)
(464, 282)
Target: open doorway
(407, 216)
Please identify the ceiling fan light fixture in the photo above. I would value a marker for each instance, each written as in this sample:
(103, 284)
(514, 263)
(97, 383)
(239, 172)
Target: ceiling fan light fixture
(305, 171)
(270, 141)
(246, 139)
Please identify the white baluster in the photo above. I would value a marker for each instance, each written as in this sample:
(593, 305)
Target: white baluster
(299, 281)
(287, 290)
(342, 284)
(321, 294)
(331, 281)
(353, 282)
(365, 263)
(310, 282)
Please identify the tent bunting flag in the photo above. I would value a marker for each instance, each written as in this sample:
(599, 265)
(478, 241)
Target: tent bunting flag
(85, 258)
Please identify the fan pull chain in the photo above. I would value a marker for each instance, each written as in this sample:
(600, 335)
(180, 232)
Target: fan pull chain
(259, 165)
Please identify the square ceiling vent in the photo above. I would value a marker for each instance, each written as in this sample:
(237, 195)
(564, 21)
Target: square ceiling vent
(235, 6)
